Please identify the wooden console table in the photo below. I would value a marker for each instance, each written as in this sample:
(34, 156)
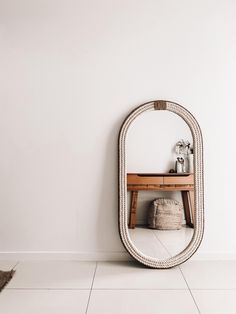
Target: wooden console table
(183, 182)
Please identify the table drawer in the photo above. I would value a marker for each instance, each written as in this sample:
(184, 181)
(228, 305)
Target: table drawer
(189, 179)
(136, 179)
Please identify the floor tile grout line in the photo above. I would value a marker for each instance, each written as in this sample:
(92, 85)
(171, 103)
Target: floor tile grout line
(181, 274)
(120, 289)
(183, 278)
(213, 289)
(140, 289)
(53, 289)
(189, 290)
(18, 262)
(162, 244)
(91, 289)
(102, 289)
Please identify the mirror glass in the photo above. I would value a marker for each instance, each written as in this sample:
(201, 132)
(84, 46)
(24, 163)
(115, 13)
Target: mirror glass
(160, 184)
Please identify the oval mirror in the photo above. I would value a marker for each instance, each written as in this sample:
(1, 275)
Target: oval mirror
(161, 214)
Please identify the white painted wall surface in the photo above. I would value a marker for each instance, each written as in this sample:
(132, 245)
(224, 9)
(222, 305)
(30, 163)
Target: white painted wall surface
(151, 141)
(70, 72)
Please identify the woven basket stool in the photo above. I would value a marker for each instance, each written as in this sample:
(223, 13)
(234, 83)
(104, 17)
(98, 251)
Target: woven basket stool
(165, 214)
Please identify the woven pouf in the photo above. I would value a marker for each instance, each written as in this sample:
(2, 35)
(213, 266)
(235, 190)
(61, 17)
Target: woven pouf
(165, 214)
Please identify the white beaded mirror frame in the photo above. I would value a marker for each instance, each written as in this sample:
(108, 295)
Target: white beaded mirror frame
(198, 182)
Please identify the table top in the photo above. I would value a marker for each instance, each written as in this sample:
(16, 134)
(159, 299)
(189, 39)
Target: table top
(151, 180)
(165, 174)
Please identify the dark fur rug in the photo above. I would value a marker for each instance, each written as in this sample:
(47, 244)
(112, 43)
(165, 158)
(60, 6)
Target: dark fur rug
(5, 277)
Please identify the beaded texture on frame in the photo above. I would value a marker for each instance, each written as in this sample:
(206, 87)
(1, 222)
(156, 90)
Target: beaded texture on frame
(198, 182)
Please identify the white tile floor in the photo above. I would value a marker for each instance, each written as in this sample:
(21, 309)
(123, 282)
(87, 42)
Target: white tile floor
(49, 287)
(161, 243)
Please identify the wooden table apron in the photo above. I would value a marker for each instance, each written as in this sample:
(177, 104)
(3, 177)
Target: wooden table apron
(183, 182)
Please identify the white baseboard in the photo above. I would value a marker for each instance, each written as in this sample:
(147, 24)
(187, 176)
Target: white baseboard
(100, 256)
(65, 256)
(214, 256)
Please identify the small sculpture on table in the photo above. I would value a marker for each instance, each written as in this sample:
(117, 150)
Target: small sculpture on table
(183, 150)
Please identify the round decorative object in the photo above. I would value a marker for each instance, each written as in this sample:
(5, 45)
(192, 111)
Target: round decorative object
(197, 195)
(165, 214)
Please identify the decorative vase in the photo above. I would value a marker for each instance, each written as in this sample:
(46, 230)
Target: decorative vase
(180, 165)
(190, 163)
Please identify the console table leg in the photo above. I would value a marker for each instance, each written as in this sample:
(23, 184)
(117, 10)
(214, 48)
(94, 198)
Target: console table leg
(192, 203)
(133, 208)
(187, 207)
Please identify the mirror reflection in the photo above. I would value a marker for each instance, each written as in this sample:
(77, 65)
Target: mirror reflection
(160, 184)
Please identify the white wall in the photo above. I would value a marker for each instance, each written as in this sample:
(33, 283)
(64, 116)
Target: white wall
(70, 72)
(151, 141)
